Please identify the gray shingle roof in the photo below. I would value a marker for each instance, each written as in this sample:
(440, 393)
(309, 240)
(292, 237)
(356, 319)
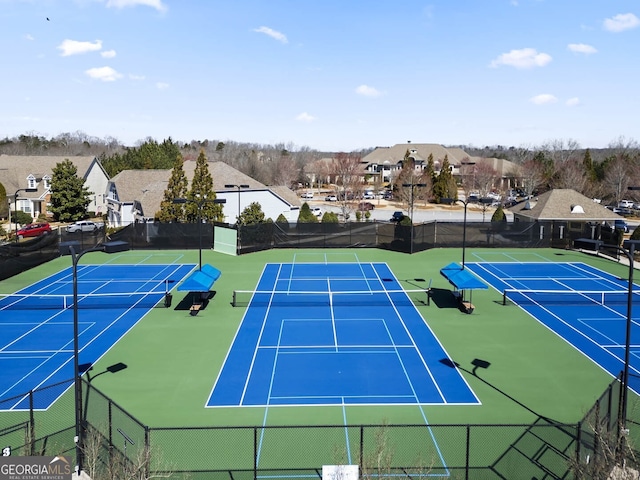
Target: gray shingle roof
(14, 170)
(560, 204)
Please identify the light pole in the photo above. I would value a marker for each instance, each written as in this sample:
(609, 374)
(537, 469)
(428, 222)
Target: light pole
(239, 187)
(69, 248)
(15, 204)
(200, 202)
(465, 202)
(412, 186)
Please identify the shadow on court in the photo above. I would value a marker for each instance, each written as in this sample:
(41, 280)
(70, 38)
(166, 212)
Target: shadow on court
(443, 298)
(195, 297)
(544, 448)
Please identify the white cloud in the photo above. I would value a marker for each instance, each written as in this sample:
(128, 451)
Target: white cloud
(157, 4)
(367, 91)
(108, 54)
(106, 74)
(73, 47)
(281, 37)
(305, 117)
(621, 22)
(162, 85)
(523, 58)
(28, 36)
(543, 99)
(581, 48)
(133, 76)
(573, 102)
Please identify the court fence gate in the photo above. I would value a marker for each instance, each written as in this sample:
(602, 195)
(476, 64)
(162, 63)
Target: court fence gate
(116, 444)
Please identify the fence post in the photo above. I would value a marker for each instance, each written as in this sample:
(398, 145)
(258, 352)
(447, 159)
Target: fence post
(147, 453)
(361, 450)
(466, 470)
(32, 426)
(255, 453)
(578, 442)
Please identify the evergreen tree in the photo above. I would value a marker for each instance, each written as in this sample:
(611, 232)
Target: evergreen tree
(330, 217)
(176, 188)
(306, 215)
(252, 215)
(498, 215)
(69, 196)
(445, 185)
(587, 162)
(4, 206)
(202, 194)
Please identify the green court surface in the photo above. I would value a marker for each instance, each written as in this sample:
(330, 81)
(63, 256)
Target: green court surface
(173, 358)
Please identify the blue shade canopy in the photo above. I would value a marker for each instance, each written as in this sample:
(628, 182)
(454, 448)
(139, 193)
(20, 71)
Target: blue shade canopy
(200, 280)
(462, 279)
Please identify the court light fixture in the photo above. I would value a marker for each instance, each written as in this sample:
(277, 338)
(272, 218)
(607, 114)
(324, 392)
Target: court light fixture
(451, 201)
(200, 202)
(239, 187)
(69, 248)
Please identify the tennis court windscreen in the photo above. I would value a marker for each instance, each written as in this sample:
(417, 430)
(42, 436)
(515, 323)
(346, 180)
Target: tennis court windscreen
(244, 298)
(19, 301)
(569, 297)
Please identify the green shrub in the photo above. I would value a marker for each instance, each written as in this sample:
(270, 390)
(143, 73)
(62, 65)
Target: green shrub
(498, 215)
(21, 217)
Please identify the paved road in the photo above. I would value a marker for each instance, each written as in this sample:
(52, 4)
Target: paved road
(383, 212)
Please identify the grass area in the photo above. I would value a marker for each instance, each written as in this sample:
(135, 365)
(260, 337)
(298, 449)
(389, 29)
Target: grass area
(173, 358)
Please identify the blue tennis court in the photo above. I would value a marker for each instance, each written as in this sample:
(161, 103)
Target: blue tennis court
(335, 334)
(585, 306)
(37, 323)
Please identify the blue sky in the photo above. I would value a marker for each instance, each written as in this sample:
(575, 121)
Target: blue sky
(331, 75)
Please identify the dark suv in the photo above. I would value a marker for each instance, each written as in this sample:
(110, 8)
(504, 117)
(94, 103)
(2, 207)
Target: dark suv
(397, 216)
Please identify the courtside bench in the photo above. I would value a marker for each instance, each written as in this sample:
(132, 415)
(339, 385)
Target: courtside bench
(200, 282)
(462, 280)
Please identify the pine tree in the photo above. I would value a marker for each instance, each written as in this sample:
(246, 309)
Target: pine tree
(202, 195)
(69, 196)
(306, 215)
(176, 188)
(445, 185)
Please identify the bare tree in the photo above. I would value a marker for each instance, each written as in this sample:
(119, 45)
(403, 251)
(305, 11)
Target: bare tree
(346, 167)
(532, 173)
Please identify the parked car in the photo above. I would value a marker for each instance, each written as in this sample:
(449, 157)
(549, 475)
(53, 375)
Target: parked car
(368, 196)
(317, 211)
(330, 198)
(397, 216)
(307, 195)
(34, 230)
(83, 226)
(365, 206)
(621, 225)
(625, 204)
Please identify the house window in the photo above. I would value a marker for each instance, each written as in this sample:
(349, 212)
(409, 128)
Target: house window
(47, 182)
(24, 206)
(31, 181)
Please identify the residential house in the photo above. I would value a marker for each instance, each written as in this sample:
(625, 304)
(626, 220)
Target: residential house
(20, 174)
(387, 162)
(135, 195)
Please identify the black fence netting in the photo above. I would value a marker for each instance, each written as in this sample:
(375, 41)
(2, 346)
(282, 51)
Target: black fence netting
(17, 257)
(116, 443)
(162, 236)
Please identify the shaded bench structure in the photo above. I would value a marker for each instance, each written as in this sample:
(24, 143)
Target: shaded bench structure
(462, 280)
(199, 283)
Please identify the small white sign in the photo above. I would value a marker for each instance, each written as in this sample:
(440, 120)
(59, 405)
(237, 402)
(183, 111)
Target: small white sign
(340, 472)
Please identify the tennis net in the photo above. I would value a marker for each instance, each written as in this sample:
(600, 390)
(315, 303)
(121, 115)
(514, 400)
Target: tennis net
(31, 301)
(568, 297)
(301, 299)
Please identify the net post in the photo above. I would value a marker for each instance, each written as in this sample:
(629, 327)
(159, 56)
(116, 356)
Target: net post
(234, 300)
(504, 297)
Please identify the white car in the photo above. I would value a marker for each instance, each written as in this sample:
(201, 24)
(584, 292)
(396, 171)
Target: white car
(317, 211)
(307, 195)
(82, 226)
